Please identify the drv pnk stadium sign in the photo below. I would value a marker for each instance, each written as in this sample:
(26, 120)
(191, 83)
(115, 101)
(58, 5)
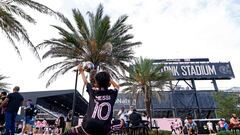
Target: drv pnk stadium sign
(199, 71)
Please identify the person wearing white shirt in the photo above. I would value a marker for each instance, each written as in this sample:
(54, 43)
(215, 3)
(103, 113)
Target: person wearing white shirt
(130, 111)
(123, 115)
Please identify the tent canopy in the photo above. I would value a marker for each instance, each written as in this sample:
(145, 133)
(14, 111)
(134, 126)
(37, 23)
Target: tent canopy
(58, 100)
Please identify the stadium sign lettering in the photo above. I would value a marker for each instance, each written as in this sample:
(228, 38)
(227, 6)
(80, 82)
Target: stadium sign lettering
(200, 70)
(192, 70)
(122, 101)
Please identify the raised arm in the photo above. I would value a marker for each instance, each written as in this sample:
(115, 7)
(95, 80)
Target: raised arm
(114, 84)
(81, 71)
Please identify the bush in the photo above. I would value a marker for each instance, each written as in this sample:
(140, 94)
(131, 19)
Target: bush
(225, 133)
(164, 133)
(160, 132)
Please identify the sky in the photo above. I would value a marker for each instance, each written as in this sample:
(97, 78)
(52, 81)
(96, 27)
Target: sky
(168, 29)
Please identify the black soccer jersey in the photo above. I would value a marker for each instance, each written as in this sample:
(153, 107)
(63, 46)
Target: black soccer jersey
(100, 109)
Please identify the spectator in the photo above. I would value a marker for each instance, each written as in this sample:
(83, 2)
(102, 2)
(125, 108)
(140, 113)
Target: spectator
(210, 127)
(29, 122)
(117, 124)
(38, 126)
(135, 118)
(226, 125)
(61, 125)
(186, 120)
(191, 126)
(173, 128)
(221, 124)
(130, 110)
(69, 120)
(178, 125)
(3, 96)
(234, 122)
(19, 127)
(13, 101)
(44, 125)
(121, 111)
(123, 115)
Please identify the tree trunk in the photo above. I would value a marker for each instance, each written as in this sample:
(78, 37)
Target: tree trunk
(147, 103)
(132, 97)
(92, 76)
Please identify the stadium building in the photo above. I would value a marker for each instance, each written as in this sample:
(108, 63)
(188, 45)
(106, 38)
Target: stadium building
(179, 102)
(53, 103)
(176, 102)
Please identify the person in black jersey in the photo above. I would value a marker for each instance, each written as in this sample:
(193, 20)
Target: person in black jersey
(97, 120)
(13, 101)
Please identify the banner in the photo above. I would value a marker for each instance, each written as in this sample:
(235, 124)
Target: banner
(199, 71)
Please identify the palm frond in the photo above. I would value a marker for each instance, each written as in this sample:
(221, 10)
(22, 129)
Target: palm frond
(68, 23)
(81, 24)
(13, 43)
(145, 78)
(12, 28)
(65, 67)
(85, 43)
(102, 35)
(3, 85)
(36, 6)
(18, 11)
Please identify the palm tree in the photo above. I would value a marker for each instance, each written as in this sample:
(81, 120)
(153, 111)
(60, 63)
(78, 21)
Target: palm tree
(146, 77)
(3, 85)
(12, 28)
(87, 42)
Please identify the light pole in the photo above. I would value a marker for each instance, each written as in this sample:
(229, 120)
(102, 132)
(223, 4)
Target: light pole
(74, 96)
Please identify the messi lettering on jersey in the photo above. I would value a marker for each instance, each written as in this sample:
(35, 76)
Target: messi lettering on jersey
(103, 98)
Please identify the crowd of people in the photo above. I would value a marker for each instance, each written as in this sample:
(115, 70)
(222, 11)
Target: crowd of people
(177, 127)
(44, 127)
(29, 124)
(9, 107)
(212, 127)
(130, 118)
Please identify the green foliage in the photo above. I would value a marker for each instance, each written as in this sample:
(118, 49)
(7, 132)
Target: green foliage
(225, 133)
(12, 28)
(86, 42)
(147, 78)
(227, 104)
(160, 132)
(3, 85)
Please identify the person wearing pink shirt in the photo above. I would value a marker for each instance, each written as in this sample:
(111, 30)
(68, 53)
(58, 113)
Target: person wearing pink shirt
(234, 122)
(44, 125)
(221, 124)
(38, 127)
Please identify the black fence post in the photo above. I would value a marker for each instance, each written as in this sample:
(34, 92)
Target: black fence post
(74, 96)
